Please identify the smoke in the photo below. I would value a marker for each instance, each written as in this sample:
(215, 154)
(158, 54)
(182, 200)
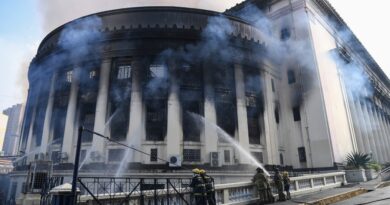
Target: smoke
(57, 12)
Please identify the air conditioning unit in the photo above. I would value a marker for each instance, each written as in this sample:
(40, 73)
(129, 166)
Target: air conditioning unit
(215, 160)
(175, 161)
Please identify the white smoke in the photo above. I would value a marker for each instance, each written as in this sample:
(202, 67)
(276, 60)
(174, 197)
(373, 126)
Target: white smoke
(54, 13)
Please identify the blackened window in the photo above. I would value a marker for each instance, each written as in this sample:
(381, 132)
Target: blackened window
(253, 125)
(40, 179)
(191, 77)
(56, 156)
(272, 85)
(191, 127)
(226, 155)
(191, 155)
(156, 122)
(296, 114)
(285, 34)
(258, 156)
(115, 155)
(226, 117)
(290, 76)
(87, 119)
(281, 159)
(302, 154)
(277, 115)
(120, 94)
(153, 155)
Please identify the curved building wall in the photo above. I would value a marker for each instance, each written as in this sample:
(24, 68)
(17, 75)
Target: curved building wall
(157, 78)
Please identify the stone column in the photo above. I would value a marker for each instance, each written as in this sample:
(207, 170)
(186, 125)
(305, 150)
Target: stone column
(384, 132)
(375, 132)
(98, 143)
(356, 122)
(210, 136)
(137, 121)
(363, 125)
(369, 131)
(30, 149)
(70, 130)
(48, 115)
(387, 127)
(271, 138)
(174, 126)
(242, 118)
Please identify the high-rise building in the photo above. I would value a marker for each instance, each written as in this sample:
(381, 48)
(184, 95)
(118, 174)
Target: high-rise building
(12, 132)
(287, 80)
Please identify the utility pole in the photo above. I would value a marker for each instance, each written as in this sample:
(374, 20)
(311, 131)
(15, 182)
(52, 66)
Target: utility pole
(76, 165)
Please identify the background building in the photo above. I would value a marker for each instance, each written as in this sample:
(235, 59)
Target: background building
(287, 80)
(12, 132)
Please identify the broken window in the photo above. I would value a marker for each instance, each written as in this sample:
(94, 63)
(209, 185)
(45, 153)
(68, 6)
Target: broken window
(156, 119)
(191, 155)
(120, 94)
(87, 119)
(285, 34)
(253, 125)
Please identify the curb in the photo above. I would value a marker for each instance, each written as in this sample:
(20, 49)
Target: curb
(337, 197)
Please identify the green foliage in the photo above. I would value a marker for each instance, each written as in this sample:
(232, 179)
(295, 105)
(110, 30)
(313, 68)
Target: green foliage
(374, 165)
(358, 160)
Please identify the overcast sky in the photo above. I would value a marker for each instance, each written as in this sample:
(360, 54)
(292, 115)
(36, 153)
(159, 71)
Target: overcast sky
(24, 23)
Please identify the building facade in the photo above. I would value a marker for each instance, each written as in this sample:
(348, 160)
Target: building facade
(286, 79)
(12, 132)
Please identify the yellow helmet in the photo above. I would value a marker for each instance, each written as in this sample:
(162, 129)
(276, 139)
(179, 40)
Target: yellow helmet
(285, 174)
(196, 171)
(202, 171)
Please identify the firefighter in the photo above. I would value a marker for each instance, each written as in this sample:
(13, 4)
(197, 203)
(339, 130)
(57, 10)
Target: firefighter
(209, 183)
(286, 182)
(262, 186)
(198, 188)
(279, 185)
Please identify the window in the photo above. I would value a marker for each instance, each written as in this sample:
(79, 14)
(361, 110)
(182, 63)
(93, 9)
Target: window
(281, 159)
(191, 155)
(302, 154)
(290, 76)
(115, 155)
(277, 115)
(272, 85)
(56, 156)
(153, 155)
(191, 128)
(87, 119)
(258, 156)
(297, 114)
(285, 34)
(253, 125)
(157, 71)
(226, 117)
(92, 74)
(69, 76)
(124, 72)
(226, 155)
(156, 122)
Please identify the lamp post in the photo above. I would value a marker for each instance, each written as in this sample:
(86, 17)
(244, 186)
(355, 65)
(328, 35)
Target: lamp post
(76, 165)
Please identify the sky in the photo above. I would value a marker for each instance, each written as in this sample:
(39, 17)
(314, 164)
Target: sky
(24, 23)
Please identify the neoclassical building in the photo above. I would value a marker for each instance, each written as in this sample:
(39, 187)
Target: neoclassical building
(287, 79)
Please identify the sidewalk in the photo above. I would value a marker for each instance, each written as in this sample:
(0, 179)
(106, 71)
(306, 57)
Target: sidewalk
(380, 196)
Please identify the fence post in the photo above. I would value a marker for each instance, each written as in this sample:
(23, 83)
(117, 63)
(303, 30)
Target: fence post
(225, 193)
(167, 191)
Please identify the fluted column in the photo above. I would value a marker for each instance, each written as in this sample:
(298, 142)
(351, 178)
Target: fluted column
(363, 125)
(98, 143)
(243, 136)
(356, 123)
(70, 131)
(210, 136)
(137, 121)
(30, 150)
(376, 133)
(369, 131)
(383, 134)
(387, 127)
(48, 115)
(174, 126)
(271, 138)
(387, 131)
